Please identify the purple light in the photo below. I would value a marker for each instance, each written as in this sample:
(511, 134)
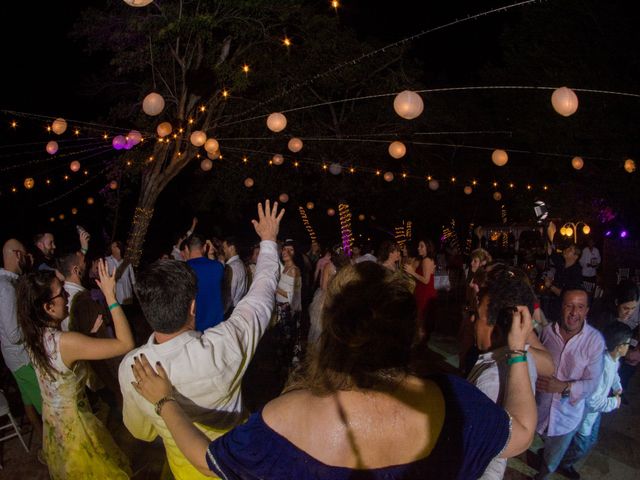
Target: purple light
(608, 233)
(623, 234)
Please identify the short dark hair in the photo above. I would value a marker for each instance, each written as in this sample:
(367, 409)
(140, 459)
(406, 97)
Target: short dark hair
(626, 291)
(66, 261)
(615, 334)
(386, 248)
(194, 241)
(231, 241)
(575, 288)
(506, 288)
(165, 290)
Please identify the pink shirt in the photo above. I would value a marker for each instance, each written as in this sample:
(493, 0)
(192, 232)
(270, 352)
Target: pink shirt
(578, 361)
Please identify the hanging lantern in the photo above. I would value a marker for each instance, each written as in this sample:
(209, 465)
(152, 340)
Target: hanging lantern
(119, 142)
(499, 157)
(497, 196)
(277, 159)
(59, 126)
(568, 231)
(335, 169)
(310, 205)
(468, 190)
(29, 183)
(134, 137)
(214, 155)
(138, 3)
(361, 217)
(397, 149)
(52, 147)
(113, 185)
(434, 185)
(211, 145)
(629, 165)
(248, 182)
(163, 129)
(206, 165)
(586, 229)
(408, 104)
(90, 201)
(74, 211)
(564, 101)
(153, 104)
(577, 163)
(283, 198)
(276, 122)
(331, 212)
(295, 145)
(74, 166)
(198, 138)
(388, 177)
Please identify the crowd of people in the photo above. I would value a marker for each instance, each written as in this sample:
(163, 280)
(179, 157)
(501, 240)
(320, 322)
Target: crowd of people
(348, 331)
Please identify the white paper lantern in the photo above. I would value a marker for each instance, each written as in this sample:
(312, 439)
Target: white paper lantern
(310, 205)
(164, 129)
(276, 122)
(388, 176)
(59, 126)
(564, 101)
(206, 165)
(277, 159)
(90, 201)
(335, 169)
(577, 163)
(74, 166)
(468, 190)
(629, 165)
(52, 147)
(361, 217)
(29, 183)
(283, 198)
(331, 212)
(397, 149)
(499, 157)
(211, 145)
(434, 185)
(113, 185)
(134, 137)
(248, 182)
(153, 104)
(408, 104)
(74, 211)
(214, 155)
(497, 196)
(295, 145)
(138, 3)
(119, 142)
(198, 138)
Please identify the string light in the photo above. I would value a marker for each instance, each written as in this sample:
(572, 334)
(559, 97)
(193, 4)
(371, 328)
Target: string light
(203, 108)
(66, 177)
(286, 41)
(105, 136)
(225, 93)
(345, 227)
(305, 222)
(76, 132)
(49, 128)
(190, 121)
(14, 124)
(335, 4)
(245, 68)
(245, 159)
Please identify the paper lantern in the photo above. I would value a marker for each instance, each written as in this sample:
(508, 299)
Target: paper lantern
(153, 104)
(564, 101)
(119, 142)
(361, 217)
(211, 145)
(577, 163)
(90, 201)
(214, 155)
(397, 149)
(331, 212)
(248, 182)
(310, 205)
(499, 157)
(295, 145)
(434, 185)
(29, 183)
(74, 166)
(629, 165)
(586, 229)
(283, 198)
(276, 122)
(468, 190)
(408, 104)
(198, 138)
(138, 3)
(388, 177)
(74, 211)
(497, 196)
(206, 165)
(113, 185)
(163, 129)
(61, 216)
(52, 147)
(335, 169)
(59, 126)
(134, 137)
(277, 159)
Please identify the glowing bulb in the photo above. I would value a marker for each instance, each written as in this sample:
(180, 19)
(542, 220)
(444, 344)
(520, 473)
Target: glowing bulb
(225, 93)
(286, 42)
(245, 68)
(586, 229)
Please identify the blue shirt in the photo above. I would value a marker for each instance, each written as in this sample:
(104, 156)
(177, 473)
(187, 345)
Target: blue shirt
(209, 311)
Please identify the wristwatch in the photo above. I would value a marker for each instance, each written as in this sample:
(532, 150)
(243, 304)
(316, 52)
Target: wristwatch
(567, 390)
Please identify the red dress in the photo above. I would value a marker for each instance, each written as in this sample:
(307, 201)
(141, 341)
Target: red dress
(425, 295)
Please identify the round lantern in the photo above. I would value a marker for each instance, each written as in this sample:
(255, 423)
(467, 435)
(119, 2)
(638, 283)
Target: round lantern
(276, 122)
(90, 201)
(388, 177)
(397, 149)
(206, 165)
(61, 216)
(629, 165)
(134, 137)
(499, 157)
(119, 142)
(283, 198)
(577, 163)
(113, 184)
(214, 155)
(361, 217)
(331, 212)
(277, 159)
(211, 145)
(52, 147)
(163, 129)
(568, 231)
(59, 126)
(497, 196)
(434, 185)
(468, 190)
(586, 229)
(198, 138)
(52, 219)
(564, 101)
(295, 145)
(248, 182)
(74, 166)
(335, 169)
(408, 104)
(138, 3)
(29, 183)
(310, 205)
(153, 104)
(74, 211)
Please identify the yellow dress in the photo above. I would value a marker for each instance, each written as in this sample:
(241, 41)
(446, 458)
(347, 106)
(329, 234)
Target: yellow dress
(76, 444)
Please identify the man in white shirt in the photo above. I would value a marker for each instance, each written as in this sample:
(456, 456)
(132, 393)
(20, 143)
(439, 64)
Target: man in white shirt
(235, 275)
(72, 266)
(205, 368)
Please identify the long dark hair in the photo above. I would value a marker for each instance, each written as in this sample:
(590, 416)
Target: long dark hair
(33, 291)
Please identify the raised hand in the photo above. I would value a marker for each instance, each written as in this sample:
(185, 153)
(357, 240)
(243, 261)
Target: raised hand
(84, 239)
(151, 385)
(268, 223)
(106, 282)
(521, 327)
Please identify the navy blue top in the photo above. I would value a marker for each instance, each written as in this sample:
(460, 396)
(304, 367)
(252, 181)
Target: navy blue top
(475, 430)
(209, 297)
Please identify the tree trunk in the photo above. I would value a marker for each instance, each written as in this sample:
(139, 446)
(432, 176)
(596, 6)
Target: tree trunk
(141, 221)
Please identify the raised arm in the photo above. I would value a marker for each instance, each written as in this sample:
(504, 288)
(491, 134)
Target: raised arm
(544, 360)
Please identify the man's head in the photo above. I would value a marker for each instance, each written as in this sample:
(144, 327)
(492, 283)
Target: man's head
(45, 243)
(575, 306)
(166, 290)
(571, 254)
(229, 247)
(193, 247)
(617, 336)
(15, 257)
(72, 265)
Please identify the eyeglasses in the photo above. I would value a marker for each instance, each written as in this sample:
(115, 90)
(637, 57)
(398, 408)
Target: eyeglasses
(63, 293)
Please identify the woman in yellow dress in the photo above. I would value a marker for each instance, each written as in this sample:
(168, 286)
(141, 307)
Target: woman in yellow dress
(75, 443)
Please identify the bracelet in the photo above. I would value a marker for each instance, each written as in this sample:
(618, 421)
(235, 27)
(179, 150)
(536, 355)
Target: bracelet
(517, 352)
(84, 250)
(160, 403)
(114, 305)
(518, 359)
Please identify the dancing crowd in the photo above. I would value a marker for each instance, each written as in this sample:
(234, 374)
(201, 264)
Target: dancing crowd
(348, 328)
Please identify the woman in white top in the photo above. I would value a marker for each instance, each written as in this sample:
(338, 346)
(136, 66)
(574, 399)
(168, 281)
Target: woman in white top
(125, 279)
(288, 308)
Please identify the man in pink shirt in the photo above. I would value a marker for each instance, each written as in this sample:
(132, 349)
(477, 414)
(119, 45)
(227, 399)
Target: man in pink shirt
(576, 348)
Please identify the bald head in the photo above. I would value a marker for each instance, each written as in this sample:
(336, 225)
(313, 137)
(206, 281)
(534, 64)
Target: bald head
(14, 255)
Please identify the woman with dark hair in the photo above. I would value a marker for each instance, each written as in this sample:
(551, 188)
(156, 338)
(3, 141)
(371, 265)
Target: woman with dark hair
(423, 271)
(75, 443)
(389, 255)
(356, 410)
